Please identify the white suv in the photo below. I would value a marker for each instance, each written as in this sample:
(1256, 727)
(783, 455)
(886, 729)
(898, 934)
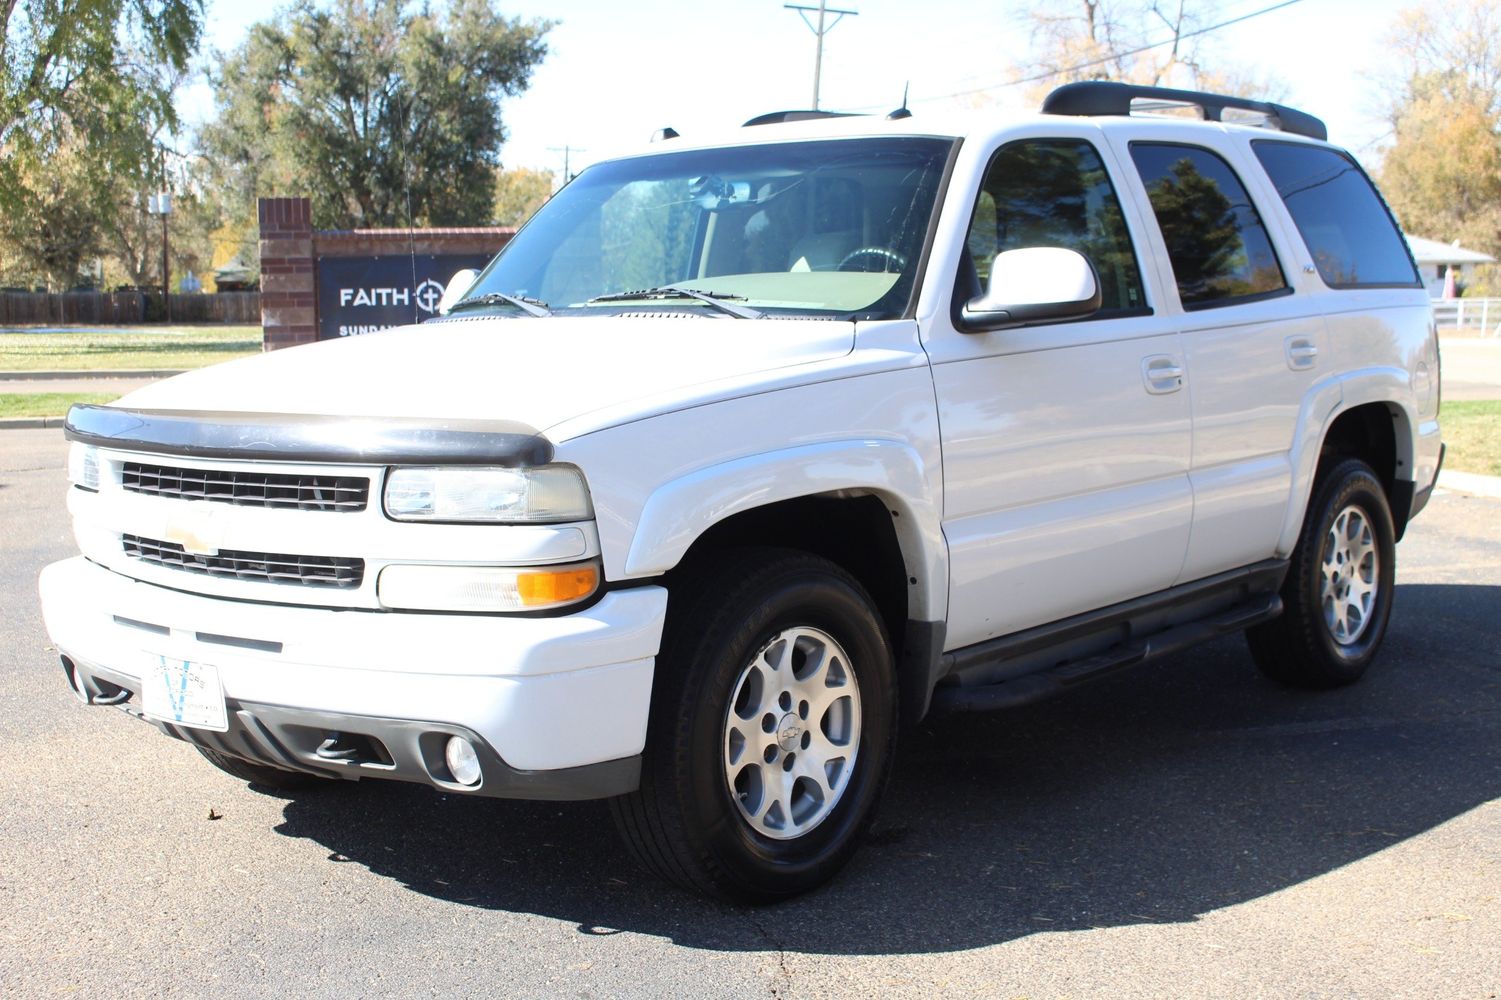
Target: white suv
(747, 449)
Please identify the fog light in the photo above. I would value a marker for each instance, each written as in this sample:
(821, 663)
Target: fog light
(463, 762)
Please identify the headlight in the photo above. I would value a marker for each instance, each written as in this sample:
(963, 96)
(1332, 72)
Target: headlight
(83, 466)
(482, 493)
(486, 588)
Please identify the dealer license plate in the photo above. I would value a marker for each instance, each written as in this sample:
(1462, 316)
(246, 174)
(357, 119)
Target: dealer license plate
(183, 692)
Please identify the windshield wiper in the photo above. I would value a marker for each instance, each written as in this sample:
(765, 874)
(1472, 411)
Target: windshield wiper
(717, 300)
(532, 307)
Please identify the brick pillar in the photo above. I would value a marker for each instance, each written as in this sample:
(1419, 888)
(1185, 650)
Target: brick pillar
(289, 311)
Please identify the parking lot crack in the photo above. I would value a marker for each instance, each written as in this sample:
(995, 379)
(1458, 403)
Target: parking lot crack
(782, 986)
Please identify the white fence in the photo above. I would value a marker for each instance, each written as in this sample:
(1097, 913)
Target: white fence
(1483, 315)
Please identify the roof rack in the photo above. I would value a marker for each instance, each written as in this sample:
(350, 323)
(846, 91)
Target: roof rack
(778, 117)
(1104, 97)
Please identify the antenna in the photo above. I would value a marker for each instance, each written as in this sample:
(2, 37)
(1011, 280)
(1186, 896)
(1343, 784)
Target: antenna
(406, 177)
(902, 111)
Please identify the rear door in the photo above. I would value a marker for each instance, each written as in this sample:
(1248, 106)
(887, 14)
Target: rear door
(1253, 338)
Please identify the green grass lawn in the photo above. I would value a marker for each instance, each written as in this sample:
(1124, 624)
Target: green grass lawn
(47, 404)
(172, 348)
(1472, 432)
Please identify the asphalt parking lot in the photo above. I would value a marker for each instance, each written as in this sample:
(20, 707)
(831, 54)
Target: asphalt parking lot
(1187, 830)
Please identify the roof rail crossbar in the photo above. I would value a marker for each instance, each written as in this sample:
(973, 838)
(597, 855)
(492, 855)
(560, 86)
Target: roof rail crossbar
(1104, 97)
(778, 117)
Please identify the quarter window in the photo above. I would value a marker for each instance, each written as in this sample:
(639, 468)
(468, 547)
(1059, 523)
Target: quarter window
(1055, 193)
(1344, 222)
(1219, 248)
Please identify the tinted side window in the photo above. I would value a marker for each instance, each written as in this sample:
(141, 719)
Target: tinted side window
(1056, 193)
(1349, 231)
(1215, 239)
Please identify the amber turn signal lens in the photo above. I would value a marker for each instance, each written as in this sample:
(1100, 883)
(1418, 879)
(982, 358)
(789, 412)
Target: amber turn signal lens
(486, 588)
(550, 588)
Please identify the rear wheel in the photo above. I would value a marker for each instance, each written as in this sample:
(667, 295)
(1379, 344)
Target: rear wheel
(261, 774)
(1338, 594)
(772, 729)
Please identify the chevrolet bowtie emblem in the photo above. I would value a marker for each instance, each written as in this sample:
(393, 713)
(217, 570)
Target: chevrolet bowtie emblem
(198, 532)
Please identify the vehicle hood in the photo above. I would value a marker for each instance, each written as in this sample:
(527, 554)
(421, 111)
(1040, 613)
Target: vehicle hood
(539, 372)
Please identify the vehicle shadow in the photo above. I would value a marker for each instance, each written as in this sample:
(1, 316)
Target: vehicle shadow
(1155, 796)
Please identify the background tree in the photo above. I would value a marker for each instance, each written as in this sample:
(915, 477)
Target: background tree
(103, 70)
(1451, 50)
(85, 97)
(60, 226)
(381, 114)
(519, 192)
(1150, 42)
(1442, 173)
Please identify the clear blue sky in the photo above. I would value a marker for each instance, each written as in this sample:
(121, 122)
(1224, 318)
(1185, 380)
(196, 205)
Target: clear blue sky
(619, 69)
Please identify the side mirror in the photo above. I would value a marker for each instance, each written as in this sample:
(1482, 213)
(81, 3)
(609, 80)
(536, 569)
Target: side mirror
(1033, 285)
(457, 286)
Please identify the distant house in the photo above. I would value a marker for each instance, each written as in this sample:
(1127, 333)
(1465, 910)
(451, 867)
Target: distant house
(1437, 261)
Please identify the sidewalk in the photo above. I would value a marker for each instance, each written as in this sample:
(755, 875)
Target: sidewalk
(1471, 367)
(26, 383)
(1471, 484)
(38, 382)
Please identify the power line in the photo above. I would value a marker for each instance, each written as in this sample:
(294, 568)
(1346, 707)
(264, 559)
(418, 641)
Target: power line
(567, 152)
(1118, 55)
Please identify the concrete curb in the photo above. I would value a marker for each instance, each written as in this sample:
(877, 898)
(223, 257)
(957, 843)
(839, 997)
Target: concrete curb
(1471, 484)
(88, 374)
(29, 423)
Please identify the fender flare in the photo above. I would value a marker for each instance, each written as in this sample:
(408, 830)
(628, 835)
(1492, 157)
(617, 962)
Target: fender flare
(678, 512)
(1325, 404)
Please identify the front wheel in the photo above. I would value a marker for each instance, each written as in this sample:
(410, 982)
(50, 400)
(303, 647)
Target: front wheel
(1338, 593)
(772, 729)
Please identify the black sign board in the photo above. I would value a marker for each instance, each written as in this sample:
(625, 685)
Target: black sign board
(363, 294)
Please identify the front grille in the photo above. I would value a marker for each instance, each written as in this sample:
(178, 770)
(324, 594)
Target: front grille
(312, 571)
(250, 489)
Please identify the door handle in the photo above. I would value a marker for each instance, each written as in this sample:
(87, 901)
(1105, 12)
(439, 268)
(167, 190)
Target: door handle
(1162, 374)
(1301, 353)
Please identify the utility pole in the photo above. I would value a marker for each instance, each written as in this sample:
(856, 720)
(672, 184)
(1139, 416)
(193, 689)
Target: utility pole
(161, 204)
(567, 151)
(166, 268)
(821, 29)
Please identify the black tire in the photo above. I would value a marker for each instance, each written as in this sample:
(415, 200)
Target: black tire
(683, 824)
(1301, 648)
(262, 774)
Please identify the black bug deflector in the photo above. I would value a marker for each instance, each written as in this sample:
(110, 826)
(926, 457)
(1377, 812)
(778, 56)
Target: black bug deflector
(300, 437)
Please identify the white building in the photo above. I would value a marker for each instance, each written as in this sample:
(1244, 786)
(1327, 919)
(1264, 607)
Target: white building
(1436, 261)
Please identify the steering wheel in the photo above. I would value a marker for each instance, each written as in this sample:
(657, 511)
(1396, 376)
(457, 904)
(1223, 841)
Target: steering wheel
(872, 259)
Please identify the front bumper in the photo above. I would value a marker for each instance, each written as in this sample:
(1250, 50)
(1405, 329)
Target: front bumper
(556, 705)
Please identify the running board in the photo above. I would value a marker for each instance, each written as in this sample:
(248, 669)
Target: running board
(1061, 676)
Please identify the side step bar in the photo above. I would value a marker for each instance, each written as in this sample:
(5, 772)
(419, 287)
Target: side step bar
(1061, 676)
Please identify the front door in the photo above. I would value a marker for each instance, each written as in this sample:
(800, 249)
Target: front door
(1066, 445)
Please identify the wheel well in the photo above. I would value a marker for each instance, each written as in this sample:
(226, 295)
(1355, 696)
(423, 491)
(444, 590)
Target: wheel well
(854, 532)
(1368, 433)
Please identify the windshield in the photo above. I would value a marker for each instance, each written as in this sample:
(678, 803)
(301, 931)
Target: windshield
(829, 227)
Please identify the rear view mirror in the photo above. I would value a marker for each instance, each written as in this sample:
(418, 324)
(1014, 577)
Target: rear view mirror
(459, 284)
(1033, 285)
